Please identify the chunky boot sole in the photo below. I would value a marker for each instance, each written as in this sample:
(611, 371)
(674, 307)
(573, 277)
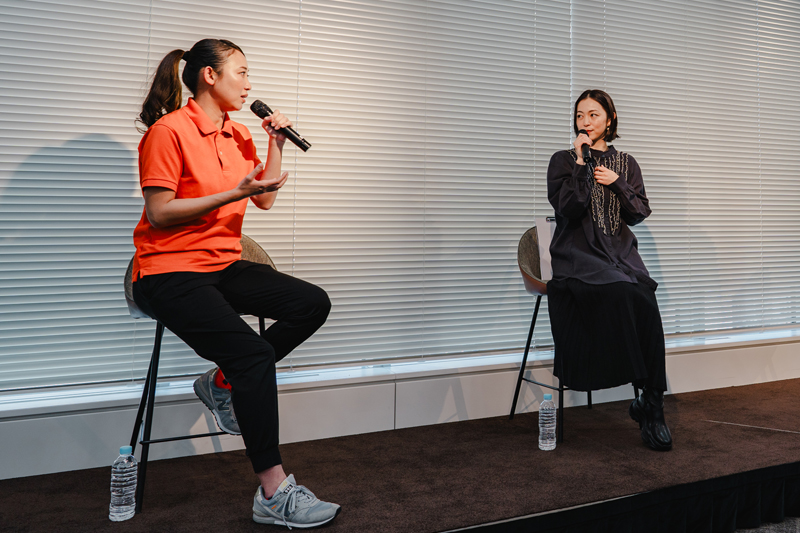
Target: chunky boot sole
(637, 413)
(653, 443)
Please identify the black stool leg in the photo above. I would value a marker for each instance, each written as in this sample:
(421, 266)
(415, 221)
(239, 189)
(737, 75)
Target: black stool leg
(148, 419)
(524, 358)
(589, 396)
(137, 426)
(560, 420)
(635, 392)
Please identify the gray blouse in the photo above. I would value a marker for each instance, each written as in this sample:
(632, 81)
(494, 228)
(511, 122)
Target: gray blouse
(592, 240)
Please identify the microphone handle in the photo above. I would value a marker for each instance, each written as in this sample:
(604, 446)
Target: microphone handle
(586, 152)
(262, 110)
(296, 138)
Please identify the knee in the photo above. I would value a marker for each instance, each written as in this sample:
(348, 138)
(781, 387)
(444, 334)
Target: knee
(319, 304)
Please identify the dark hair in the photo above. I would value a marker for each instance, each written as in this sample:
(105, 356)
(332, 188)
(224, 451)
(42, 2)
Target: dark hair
(165, 95)
(604, 100)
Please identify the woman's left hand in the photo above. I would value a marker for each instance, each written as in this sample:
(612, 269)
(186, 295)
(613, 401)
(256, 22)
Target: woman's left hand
(273, 124)
(605, 176)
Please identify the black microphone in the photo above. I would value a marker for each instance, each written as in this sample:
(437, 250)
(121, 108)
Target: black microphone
(263, 111)
(586, 151)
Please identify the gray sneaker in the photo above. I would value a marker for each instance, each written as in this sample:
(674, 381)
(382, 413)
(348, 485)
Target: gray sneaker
(293, 506)
(218, 400)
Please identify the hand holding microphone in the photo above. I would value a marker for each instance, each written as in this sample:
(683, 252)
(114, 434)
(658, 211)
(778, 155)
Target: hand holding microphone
(262, 110)
(584, 144)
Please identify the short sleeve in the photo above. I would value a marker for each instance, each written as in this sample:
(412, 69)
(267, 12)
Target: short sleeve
(160, 158)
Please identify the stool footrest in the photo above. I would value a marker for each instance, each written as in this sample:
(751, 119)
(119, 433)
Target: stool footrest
(543, 384)
(185, 437)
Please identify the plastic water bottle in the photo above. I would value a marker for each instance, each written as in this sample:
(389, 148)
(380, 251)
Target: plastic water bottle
(123, 486)
(547, 423)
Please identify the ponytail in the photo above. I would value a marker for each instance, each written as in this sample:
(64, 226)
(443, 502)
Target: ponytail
(165, 94)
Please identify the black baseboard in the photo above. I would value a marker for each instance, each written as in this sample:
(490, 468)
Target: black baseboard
(719, 505)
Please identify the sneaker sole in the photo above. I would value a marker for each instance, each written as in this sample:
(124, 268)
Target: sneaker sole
(209, 403)
(264, 519)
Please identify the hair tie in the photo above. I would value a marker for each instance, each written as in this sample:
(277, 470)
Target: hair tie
(187, 56)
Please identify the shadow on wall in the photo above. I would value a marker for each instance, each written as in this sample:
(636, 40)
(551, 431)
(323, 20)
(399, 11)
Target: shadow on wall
(66, 219)
(66, 223)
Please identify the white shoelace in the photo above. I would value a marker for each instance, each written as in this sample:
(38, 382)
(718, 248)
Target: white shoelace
(298, 491)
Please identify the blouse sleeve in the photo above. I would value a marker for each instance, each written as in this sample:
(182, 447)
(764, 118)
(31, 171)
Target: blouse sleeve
(635, 207)
(568, 185)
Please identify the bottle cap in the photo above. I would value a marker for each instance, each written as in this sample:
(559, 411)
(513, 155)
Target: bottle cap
(125, 450)
(548, 396)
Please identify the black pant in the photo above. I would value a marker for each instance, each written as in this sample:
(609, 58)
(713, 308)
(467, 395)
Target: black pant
(202, 308)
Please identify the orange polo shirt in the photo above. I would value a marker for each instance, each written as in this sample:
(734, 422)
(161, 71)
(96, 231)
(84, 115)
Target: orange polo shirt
(185, 152)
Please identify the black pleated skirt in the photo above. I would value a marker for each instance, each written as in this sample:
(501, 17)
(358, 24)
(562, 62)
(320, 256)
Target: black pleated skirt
(606, 335)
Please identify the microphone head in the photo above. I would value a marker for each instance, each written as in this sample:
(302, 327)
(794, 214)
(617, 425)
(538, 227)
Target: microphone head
(261, 109)
(579, 131)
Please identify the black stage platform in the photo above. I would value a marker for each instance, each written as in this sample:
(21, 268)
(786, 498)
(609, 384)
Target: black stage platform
(735, 463)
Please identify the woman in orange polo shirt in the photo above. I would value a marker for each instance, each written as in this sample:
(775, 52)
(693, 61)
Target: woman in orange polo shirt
(197, 169)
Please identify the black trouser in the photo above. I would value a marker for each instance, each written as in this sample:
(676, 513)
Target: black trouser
(202, 308)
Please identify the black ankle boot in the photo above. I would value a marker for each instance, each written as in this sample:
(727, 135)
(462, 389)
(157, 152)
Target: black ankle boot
(648, 410)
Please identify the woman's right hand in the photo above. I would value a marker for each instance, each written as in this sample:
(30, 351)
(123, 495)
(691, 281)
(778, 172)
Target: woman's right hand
(252, 186)
(580, 140)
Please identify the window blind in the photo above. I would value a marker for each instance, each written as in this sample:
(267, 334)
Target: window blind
(432, 124)
(72, 72)
(702, 91)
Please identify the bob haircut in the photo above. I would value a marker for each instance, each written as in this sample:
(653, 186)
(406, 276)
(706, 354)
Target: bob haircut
(604, 100)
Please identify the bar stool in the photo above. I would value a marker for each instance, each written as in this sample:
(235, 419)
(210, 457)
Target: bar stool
(533, 258)
(251, 251)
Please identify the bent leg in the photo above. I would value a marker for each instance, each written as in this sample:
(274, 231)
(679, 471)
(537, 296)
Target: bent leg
(299, 308)
(191, 306)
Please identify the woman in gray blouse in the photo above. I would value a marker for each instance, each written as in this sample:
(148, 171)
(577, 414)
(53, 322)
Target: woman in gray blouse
(603, 310)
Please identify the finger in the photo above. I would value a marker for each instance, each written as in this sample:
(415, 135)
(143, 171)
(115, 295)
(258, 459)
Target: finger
(284, 123)
(256, 171)
(273, 130)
